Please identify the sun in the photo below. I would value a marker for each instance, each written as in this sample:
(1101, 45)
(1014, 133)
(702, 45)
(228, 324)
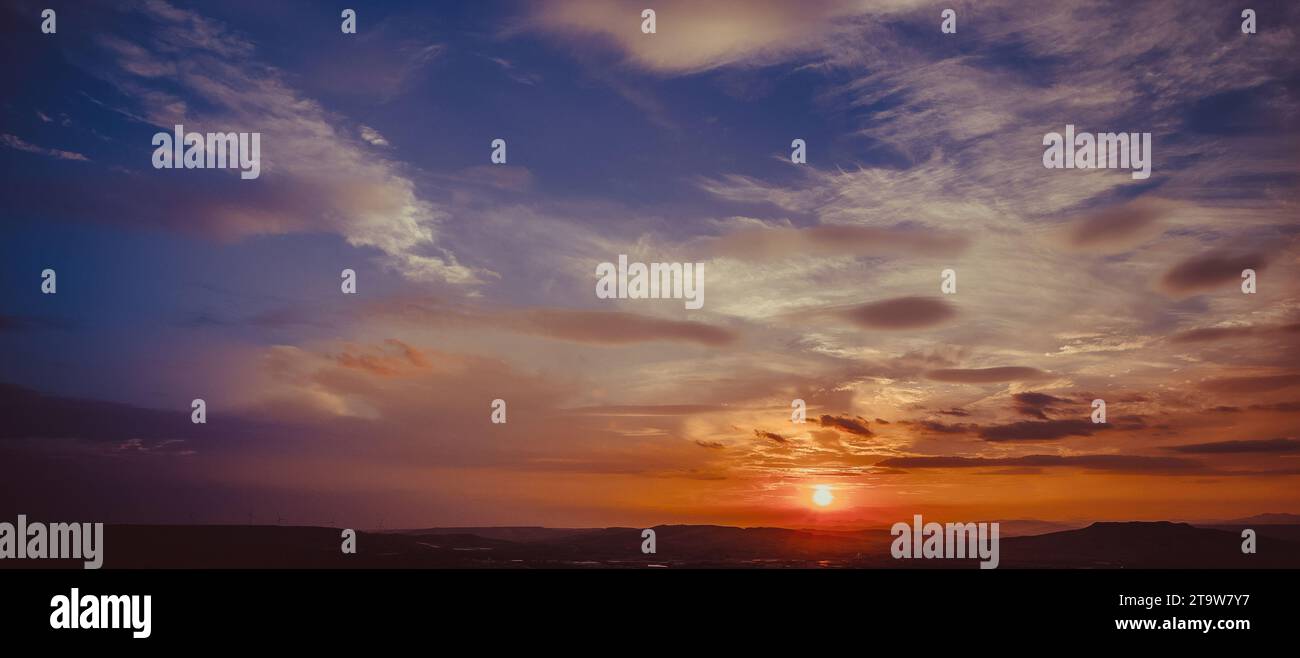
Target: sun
(822, 495)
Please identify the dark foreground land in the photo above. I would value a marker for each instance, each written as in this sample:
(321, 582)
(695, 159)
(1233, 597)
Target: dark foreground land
(1149, 545)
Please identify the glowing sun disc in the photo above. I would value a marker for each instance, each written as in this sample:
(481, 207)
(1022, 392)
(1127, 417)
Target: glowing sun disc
(822, 496)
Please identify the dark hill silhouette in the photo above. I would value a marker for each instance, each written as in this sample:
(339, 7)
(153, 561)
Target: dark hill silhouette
(1100, 545)
(725, 543)
(1145, 545)
(514, 534)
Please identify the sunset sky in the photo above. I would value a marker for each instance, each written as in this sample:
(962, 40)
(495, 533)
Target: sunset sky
(477, 281)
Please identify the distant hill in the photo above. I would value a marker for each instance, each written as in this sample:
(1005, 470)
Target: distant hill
(1264, 519)
(515, 534)
(1147, 545)
(1025, 527)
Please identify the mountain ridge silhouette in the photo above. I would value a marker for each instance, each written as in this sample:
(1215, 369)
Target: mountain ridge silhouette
(1102, 544)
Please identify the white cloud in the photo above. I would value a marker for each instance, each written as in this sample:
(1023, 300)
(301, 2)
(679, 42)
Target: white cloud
(18, 143)
(314, 177)
(372, 136)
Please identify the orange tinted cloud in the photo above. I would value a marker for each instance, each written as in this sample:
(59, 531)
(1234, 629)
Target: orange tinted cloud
(985, 375)
(616, 328)
(901, 313)
(1212, 270)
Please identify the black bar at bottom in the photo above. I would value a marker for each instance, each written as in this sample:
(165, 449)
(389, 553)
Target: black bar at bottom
(396, 605)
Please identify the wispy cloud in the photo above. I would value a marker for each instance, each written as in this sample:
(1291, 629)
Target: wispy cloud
(314, 177)
(18, 143)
